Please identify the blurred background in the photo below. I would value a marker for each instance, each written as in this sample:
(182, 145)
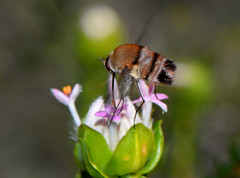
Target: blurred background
(51, 43)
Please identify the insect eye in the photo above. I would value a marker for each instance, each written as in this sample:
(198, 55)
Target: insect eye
(106, 64)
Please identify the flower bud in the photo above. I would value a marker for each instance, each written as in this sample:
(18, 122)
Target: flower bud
(137, 153)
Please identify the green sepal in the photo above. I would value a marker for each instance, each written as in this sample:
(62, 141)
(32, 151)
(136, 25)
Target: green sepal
(79, 156)
(132, 151)
(158, 149)
(91, 167)
(96, 146)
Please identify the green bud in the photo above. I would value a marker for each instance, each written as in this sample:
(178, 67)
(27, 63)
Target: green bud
(137, 153)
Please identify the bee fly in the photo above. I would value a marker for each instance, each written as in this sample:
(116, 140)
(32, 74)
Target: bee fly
(135, 62)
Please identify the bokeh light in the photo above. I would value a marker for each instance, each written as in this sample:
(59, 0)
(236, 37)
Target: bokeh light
(99, 21)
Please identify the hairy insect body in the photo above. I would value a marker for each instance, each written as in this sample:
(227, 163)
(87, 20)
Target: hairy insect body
(134, 62)
(123, 56)
(141, 63)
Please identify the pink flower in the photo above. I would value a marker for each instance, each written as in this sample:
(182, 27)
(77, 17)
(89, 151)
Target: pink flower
(149, 95)
(68, 98)
(109, 112)
(100, 113)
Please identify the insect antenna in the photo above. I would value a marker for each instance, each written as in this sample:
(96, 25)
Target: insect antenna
(100, 59)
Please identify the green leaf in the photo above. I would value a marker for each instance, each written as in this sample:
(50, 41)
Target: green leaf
(91, 167)
(97, 146)
(79, 156)
(157, 153)
(131, 152)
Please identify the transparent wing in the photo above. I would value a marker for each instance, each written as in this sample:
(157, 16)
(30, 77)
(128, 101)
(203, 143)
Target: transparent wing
(125, 80)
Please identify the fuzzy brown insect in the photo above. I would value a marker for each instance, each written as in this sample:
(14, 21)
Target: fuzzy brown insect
(136, 62)
(141, 63)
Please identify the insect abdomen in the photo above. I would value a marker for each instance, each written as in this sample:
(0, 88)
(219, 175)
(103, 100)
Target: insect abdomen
(155, 67)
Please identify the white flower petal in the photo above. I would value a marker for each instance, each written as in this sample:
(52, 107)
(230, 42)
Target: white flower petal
(130, 113)
(96, 106)
(60, 96)
(75, 92)
(113, 136)
(124, 126)
(146, 114)
(74, 113)
(91, 119)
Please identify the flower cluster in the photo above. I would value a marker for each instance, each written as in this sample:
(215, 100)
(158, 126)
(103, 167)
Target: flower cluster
(129, 144)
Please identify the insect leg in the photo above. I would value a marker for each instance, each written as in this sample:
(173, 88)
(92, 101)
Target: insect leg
(115, 110)
(143, 101)
(122, 105)
(125, 81)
